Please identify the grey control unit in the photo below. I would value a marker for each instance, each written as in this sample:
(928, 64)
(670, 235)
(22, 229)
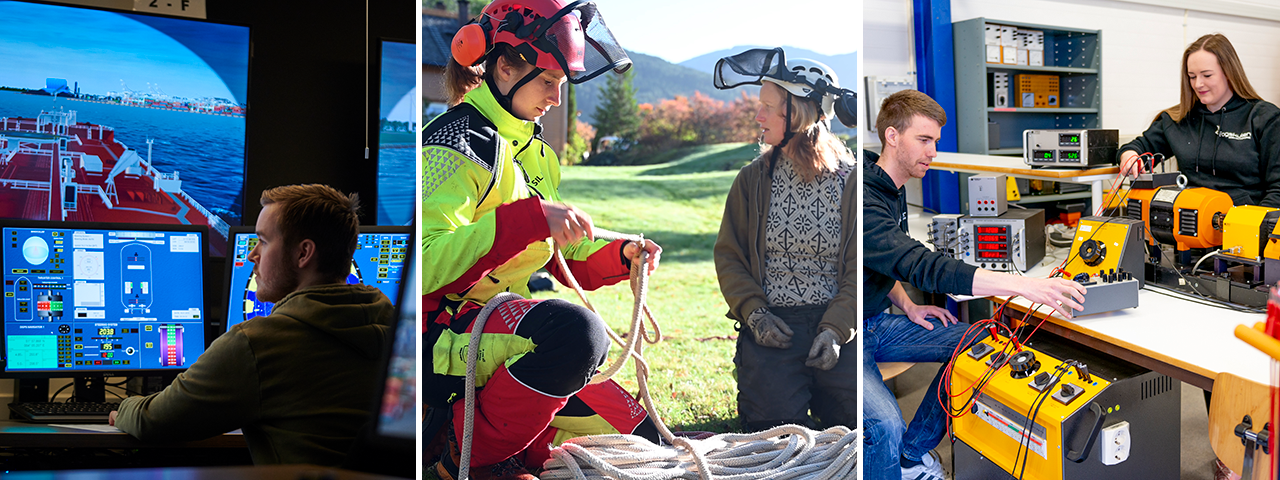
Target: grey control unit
(1078, 147)
(1013, 241)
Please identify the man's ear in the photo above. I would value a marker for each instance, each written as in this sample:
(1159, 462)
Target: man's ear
(891, 137)
(305, 254)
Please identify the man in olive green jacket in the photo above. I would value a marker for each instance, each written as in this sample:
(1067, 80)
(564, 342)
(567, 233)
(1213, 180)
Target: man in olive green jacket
(298, 382)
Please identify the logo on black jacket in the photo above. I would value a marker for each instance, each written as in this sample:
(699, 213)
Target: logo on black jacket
(1233, 136)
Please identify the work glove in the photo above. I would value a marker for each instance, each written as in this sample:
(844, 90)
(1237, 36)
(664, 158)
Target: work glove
(769, 330)
(825, 351)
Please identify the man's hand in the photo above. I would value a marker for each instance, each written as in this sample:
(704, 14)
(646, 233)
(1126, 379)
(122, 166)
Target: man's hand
(769, 330)
(632, 249)
(825, 351)
(919, 315)
(568, 224)
(111, 418)
(1061, 294)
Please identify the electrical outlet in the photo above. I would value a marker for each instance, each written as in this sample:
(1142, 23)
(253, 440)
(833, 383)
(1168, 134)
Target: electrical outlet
(1115, 443)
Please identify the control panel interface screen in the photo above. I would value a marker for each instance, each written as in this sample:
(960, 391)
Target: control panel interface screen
(379, 261)
(84, 300)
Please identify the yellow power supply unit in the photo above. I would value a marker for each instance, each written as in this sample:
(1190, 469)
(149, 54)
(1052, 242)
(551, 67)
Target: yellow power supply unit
(1108, 419)
(1036, 91)
(1103, 244)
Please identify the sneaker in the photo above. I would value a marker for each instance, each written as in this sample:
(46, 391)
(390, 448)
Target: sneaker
(930, 468)
(447, 467)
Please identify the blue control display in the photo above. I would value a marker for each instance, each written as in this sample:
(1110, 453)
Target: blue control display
(86, 300)
(379, 261)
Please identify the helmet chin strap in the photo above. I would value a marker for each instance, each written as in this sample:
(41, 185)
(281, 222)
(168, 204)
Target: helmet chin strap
(505, 100)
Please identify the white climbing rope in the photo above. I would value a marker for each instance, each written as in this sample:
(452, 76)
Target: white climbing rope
(788, 452)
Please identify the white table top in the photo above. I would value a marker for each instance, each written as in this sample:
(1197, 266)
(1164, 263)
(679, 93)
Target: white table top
(1188, 335)
(1015, 167)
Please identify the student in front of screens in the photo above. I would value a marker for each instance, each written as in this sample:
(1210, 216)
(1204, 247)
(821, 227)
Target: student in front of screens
(787, 253)
(299, 381)
(490, 205)
(1225, 136)
(910, 124)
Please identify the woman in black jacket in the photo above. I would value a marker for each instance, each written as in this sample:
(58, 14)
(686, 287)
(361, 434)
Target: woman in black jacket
(1223, 134)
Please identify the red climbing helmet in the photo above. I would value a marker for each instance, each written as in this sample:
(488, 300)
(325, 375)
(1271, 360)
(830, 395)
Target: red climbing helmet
(550, 34)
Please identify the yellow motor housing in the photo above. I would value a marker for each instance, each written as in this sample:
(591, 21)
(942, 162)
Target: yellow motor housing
(1184, 217)
(1247, 229)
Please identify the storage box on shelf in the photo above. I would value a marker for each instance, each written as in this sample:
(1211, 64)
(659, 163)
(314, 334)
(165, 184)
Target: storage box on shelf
(981, 49)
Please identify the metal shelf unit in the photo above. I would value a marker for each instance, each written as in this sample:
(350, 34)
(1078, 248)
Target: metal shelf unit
(1074, 54)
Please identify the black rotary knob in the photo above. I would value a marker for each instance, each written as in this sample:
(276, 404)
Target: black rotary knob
(1092, 252)
(1023, 364)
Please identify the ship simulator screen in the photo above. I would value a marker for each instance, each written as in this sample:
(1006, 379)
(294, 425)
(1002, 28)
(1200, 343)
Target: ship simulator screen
(397, 416)
(102, 298)
(120, 117)
(398, 127)
(379, 261)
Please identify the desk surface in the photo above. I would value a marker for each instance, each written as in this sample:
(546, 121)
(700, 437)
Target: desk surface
(14, 433)
(1180, 338)
(272, 472)
(1014, 166)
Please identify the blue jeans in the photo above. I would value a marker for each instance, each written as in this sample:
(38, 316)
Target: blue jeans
(894, 338)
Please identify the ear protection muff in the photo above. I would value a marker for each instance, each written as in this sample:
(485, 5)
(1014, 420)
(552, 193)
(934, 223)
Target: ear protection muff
(470, 44)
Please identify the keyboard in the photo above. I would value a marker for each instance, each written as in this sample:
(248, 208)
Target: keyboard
(46, 412)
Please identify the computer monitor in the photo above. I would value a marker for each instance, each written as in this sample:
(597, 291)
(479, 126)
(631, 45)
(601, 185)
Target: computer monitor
(397, 132)
(97, 299)
(397, 418)
(379, 261)
(120, 117)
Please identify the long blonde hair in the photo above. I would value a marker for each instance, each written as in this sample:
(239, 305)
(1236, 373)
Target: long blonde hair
(813, 149)
(1220, 47)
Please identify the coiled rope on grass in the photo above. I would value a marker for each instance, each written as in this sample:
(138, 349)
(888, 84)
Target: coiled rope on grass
(784, 453)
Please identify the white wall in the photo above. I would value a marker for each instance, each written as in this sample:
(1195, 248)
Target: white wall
(1141, 47)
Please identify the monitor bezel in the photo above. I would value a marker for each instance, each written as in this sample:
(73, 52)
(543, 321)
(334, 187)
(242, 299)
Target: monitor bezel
(225, 295)
(203, 230)
(248, 93)
(376, 438)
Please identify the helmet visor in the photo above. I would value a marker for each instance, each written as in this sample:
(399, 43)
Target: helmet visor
(749, 67)
(582, 44)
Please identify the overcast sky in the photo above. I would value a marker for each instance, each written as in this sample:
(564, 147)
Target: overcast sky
(677, 30)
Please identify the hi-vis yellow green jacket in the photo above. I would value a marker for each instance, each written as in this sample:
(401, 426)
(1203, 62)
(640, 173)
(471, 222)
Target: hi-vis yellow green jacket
(483, 227)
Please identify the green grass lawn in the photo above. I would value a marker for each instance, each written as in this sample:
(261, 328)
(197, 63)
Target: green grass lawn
(677, 204)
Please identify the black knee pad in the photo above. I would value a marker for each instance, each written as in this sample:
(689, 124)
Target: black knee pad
(576, 333)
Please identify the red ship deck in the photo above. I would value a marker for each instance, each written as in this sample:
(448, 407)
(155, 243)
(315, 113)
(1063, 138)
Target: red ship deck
(41, 161)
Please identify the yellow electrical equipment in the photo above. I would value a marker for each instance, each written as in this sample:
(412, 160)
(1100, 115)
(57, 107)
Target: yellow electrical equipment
(1247, 231)
(1091, 415)
(1184, 217)
(1107, 244)
(1012, 186)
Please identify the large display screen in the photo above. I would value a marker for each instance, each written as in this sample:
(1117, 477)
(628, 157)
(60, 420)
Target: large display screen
(398, 127)
(397, 417)
(84, 298)
(117, 117)
(379, 261)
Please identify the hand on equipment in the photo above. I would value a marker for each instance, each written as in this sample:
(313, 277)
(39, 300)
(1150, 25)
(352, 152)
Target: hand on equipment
(567, 223)
(769, 330)
(1130, 164)
(111, 417)
(1061, 294)
(631, 251)
(919, 315)
(825, 351)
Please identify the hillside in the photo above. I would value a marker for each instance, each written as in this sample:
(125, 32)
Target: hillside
(656, 79)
